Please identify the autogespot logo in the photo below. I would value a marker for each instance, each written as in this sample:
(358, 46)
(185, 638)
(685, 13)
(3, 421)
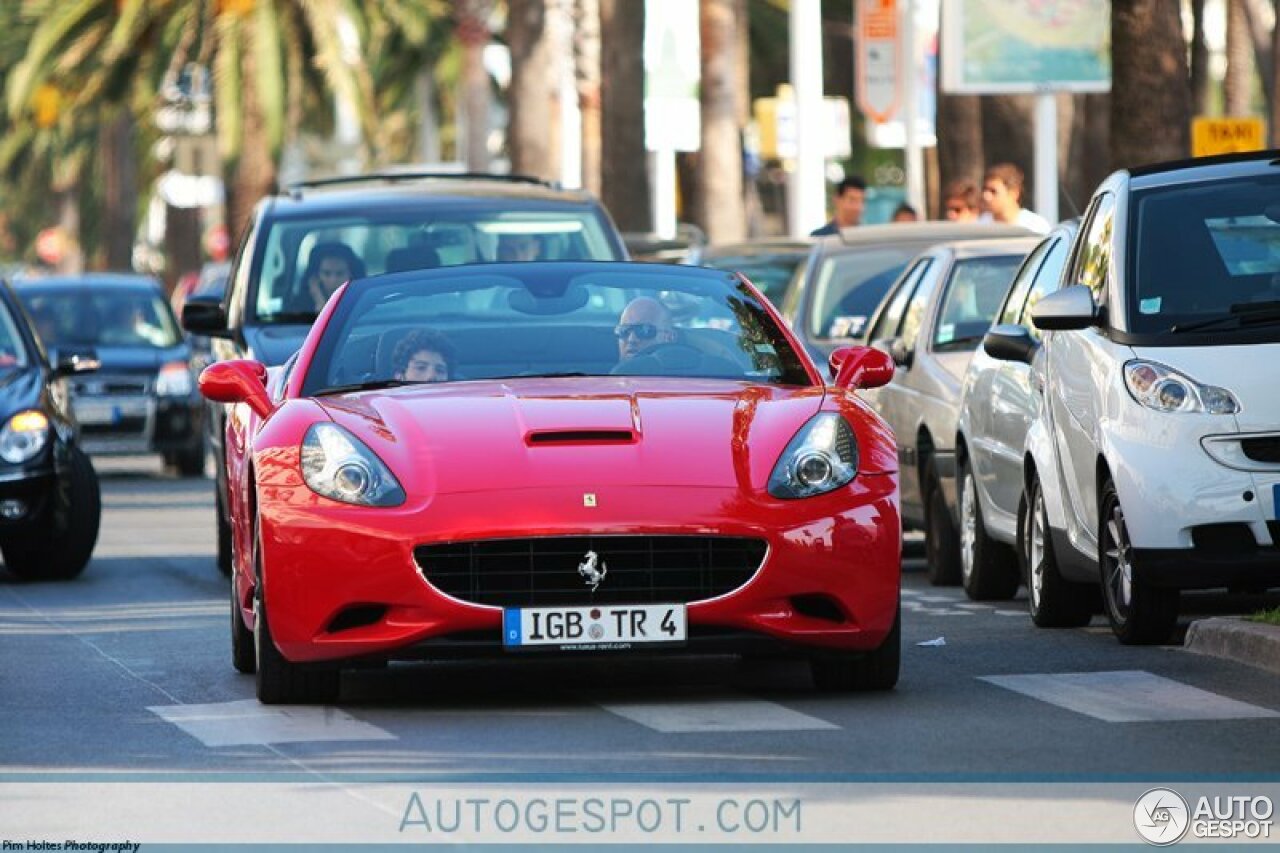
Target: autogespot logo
(1161, 816)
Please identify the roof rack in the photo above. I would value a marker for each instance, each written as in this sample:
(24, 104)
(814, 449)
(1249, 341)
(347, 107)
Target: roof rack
(296, 188)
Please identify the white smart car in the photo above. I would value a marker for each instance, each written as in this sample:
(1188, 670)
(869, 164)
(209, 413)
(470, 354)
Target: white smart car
(1153, 461)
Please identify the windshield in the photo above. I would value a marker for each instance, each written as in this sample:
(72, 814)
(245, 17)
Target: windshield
(974, 292)
(13, 353)
(100, 316)
(850, 285)
(306, 260)
(770, 273)
(1224, 259)
(564, 320)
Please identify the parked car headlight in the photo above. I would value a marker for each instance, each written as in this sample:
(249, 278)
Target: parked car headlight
(822, 457)
(1166, 390)
(24, 435)
(338, 465)
(175, 380)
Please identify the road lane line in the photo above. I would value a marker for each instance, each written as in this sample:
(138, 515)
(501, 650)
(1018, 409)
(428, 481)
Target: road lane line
(714, 713)
(1128, 696)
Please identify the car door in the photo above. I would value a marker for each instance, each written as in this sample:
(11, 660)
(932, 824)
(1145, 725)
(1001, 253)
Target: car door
(1075, 373)
(898, 330)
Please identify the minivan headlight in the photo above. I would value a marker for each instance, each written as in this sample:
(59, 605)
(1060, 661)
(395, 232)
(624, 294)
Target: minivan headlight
(175, 380)
(822, 457)
(24, 435)
(1164, 389)
(338, 465)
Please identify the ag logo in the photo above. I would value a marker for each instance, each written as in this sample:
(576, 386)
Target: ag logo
(1161, 816)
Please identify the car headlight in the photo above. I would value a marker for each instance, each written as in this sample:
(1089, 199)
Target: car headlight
(175, 380)
(1166, 390)
(822, 456)
(338, 465)
(24, 435)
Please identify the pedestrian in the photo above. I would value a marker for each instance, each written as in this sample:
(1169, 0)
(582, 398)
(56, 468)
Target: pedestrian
(960, 201)
(850, 200)
(905, 213)
(1002, 199)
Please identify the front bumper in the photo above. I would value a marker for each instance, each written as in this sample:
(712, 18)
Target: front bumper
(139, 423)
(33, 487)
(323, 561)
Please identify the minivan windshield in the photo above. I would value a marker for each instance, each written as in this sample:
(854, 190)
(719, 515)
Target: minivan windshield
(101, 315)
(1205, 257)
(305, 260)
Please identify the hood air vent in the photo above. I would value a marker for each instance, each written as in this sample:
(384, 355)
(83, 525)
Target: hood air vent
(582, 436)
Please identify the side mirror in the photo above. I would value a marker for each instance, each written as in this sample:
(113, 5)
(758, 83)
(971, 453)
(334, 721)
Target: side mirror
(861, 367)
(68, 361)
(237, 381)
(204, 315)
(896, 349)
(1070, 309)
(1010, 342)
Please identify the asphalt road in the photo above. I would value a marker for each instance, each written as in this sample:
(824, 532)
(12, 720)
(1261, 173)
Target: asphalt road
(128, 669)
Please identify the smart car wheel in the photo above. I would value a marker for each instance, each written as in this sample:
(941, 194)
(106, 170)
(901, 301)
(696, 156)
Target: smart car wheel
(279, 681)
(243, 657)
(64, 544)
(989, 569)
(1139, 613)
(875, 670)
(1054, 602)
(940, 544)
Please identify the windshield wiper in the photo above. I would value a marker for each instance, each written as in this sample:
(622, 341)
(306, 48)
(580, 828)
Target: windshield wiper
(371, 385)
(307, 317)
(1242, 313)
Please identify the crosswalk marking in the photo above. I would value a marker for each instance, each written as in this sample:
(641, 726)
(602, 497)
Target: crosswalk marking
(714, 713)
(248, 722)
(1128, 696)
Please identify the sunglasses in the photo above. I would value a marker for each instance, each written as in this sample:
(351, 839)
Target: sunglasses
(642, 331)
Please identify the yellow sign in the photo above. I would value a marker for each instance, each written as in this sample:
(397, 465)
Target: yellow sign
(1211, 136)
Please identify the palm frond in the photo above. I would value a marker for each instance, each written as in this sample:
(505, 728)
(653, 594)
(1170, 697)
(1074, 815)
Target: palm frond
(62, 18)
(268, 66)
(227, 86)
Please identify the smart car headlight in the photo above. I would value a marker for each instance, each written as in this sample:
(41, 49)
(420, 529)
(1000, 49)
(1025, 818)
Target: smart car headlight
(175, 380)
(1166, 390)
(338, 465)
(822, 457)
(24, 435)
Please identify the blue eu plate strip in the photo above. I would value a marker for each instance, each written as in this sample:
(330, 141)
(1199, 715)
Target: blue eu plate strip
(511, 626)
(1275, 500)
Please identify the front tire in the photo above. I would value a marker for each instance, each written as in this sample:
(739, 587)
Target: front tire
(872, 671)
(941, 545)
(243, 657)
(988, 569)
(1140, 614)
(1054, 601)
(225, 562)
(65, 540)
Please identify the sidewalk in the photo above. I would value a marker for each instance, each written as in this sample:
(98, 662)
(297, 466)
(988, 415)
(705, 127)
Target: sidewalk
(1253, 643)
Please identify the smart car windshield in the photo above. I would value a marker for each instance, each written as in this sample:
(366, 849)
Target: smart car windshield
(1223, 270)
(550, 320)
(305, 260)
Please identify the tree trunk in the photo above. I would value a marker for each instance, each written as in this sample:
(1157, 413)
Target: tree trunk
(1199, 61)
(1088, 152)
(1150, 91)
(119, 190)
(532, 96)
(253, 174)
(959, 132)
(1237, 85)
(1260, 37)
(721, 213)
(624, 176)
(72, 260)
(587, 74)
(473, 82)
(1008, 136)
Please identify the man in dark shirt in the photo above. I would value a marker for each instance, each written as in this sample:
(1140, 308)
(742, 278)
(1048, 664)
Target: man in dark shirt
(850, 200)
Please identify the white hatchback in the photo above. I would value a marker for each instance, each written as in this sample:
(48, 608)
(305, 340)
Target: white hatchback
(1153, 462)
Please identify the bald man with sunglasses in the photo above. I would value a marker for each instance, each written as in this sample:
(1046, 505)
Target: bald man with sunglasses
(645, 324)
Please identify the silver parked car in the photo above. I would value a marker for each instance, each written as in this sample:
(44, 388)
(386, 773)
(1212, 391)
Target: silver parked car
(996, 409)
(931, 321)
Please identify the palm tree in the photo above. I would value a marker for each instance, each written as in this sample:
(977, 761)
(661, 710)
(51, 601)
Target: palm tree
(624, 179)
(722, 214)
(1150, 87)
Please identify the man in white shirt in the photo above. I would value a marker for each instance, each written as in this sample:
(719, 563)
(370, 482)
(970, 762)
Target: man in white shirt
(1002, 199)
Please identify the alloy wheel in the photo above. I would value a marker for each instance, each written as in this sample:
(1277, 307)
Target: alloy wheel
(968, 525)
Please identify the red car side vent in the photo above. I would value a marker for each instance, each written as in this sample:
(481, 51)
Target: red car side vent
(581, 436)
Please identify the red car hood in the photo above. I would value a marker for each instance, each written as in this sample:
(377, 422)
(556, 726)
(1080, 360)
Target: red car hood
(534, 433)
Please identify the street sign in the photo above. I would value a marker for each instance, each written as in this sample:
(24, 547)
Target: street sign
(776, 124)
(1211, 136)
(876, 67)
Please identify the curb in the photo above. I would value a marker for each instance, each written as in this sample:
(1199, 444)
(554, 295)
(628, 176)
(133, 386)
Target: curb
(1251, 643)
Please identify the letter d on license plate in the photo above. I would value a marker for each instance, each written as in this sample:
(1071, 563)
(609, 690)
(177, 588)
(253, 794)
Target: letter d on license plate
(598, 628)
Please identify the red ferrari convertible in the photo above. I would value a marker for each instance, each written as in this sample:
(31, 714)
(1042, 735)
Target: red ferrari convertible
(557, 458)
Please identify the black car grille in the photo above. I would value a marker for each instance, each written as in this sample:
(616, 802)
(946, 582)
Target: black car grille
(544, 571)
(1265, 449)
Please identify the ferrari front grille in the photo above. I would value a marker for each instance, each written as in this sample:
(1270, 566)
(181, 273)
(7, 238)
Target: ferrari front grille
(561, 570)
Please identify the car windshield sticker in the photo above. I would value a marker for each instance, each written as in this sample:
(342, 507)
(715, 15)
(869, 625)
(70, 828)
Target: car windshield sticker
(847, 325)
(946, 333)
(1150, 306)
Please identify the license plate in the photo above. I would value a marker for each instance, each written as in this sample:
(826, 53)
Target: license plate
(97, 413)
(598, 628)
